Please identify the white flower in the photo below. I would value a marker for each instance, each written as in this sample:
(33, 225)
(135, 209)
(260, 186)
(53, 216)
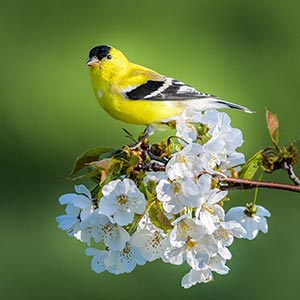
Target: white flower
(184, 126)
(232, 160)
(66, 222)
(98, 260)
(220, 149)
(124, 261)
(82, 200)
(78, 211)
(211, 119)
(216, 264)
(213, 154)
(113, 235)
(196, 276)
(155, 176)
(251, 222)
(149, 243)
(177, 194)
(219, 127)
(226, 232)
(216, 121)
(210, 212)
(233, 138)
(116, 262)
(121, 200)
(145, 223)
(185, 163)
(189, 242)
(216, 153)
(82, 232)
(224, 236)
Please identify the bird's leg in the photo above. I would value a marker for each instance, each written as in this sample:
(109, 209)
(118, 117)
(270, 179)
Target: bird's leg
(142, 145)
(149, 130)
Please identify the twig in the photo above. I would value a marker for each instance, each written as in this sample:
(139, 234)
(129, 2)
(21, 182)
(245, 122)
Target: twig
(245, 184)
(157, 159)
(156, 167)
(289, 169)
(238, 183)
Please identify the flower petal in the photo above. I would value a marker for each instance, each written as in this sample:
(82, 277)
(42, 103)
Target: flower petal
(82, 189)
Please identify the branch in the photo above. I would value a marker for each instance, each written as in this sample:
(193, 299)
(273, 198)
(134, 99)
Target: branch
(238, 183)
(289, 169)
(245, 184)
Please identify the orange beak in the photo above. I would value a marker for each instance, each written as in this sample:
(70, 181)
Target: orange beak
(93, 62)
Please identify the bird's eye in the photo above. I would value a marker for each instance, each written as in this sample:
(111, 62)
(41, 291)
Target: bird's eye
(108, 56)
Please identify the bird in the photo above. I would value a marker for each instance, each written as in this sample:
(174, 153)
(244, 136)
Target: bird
(138, 95)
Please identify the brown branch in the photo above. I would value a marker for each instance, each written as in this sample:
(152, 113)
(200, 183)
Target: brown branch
(289, 169)
(238, 183)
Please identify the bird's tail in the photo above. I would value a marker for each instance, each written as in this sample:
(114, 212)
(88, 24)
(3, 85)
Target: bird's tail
(226, 104)
(215, 103)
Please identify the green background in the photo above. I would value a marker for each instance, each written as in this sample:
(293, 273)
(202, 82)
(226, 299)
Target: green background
(243, 51)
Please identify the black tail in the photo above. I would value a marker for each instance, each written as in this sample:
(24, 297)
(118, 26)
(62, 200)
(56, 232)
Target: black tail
(235, 106)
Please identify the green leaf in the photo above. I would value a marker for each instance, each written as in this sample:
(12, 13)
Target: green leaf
(158, 218)
(250, 168)
(129, 135)
(272, 160)
(88, 157)
(92, 173)
(291, 153)
(152, 187)
(134, 160)
(143, 188)
(273, 126)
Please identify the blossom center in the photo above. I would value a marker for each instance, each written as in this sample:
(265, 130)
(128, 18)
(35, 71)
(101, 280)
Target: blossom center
(126, 253)
(221, 233)
(209, 208)
(181, 159)
(190, 243)
(184, 228)
(176, 187)
(189, 125)
(122, 199)
(156, 239)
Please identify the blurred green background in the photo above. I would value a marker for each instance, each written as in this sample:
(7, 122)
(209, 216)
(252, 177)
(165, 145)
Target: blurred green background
(244, 51)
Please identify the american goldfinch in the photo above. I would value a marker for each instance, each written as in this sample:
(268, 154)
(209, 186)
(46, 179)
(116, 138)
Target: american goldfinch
(135, 94)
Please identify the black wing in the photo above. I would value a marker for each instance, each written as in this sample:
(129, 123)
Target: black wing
(168, 89)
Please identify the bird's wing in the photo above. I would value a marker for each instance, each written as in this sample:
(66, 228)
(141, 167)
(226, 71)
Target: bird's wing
(167, 89)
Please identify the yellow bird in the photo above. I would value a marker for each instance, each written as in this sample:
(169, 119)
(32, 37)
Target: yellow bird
(135, 94)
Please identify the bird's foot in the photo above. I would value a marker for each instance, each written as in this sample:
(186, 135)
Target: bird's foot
(143, 138)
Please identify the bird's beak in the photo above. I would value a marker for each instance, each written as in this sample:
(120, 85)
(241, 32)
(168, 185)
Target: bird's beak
(93, 62)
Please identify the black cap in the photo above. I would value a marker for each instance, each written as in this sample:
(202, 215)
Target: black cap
(100, 51)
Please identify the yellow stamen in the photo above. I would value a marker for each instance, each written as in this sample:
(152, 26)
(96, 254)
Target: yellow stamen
(190, 243)
(123, 199)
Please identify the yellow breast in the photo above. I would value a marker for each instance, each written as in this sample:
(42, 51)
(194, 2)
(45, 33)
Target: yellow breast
(137, 111)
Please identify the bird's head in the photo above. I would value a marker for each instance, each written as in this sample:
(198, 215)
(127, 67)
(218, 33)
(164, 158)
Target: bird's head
(106, 60)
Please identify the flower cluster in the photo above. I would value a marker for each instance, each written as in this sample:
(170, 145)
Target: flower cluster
(176, 214)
